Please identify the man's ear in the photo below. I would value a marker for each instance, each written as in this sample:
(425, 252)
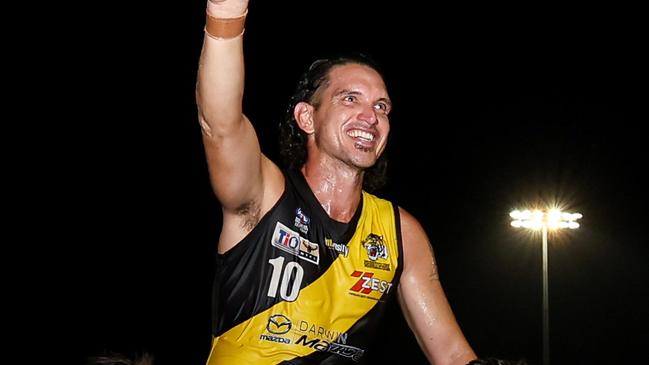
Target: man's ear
(303, 114)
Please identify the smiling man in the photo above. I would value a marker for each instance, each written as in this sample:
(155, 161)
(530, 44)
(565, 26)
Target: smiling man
(307, 258)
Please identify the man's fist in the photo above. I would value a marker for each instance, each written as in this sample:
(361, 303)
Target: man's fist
(226, 8)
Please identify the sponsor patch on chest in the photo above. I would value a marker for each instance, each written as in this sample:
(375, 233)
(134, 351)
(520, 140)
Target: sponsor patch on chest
(290, 241)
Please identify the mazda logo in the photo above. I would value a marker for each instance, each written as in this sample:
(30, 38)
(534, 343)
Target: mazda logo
(278, 324)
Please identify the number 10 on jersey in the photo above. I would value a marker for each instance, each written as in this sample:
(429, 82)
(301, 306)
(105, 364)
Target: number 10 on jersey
(291, 274)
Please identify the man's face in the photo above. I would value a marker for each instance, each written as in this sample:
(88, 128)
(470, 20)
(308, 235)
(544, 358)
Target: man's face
(351, 122)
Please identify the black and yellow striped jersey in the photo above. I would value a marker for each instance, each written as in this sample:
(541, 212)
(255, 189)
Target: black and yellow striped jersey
(302, 288)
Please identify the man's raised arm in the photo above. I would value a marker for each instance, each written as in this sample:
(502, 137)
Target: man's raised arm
(244, 180)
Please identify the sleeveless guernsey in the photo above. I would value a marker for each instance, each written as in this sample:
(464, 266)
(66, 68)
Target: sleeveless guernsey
(302, 288)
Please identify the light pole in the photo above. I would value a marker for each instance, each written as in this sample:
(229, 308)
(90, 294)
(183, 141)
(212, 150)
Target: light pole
(551, 219)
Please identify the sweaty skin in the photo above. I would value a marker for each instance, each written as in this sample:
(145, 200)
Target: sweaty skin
(348, 112)
(424, 303)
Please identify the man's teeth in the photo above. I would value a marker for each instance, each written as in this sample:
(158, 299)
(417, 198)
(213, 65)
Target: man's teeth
(361, 134)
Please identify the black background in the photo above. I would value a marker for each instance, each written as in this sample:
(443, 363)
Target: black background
(495, 108)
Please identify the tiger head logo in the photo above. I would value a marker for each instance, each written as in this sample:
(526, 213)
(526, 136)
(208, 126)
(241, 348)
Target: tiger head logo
(375, 247)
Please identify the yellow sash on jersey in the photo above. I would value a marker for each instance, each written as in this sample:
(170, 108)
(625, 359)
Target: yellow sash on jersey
(324, 310)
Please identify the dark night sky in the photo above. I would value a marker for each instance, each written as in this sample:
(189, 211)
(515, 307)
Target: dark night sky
(494, 108)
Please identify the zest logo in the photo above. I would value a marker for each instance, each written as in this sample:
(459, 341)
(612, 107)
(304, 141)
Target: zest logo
(367, 283)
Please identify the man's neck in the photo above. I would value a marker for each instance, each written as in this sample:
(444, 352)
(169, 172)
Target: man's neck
(337, 188)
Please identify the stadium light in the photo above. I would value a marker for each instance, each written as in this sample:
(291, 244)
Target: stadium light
(552, 219)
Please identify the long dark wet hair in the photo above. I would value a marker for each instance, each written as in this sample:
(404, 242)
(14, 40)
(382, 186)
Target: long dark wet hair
(292, 139)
